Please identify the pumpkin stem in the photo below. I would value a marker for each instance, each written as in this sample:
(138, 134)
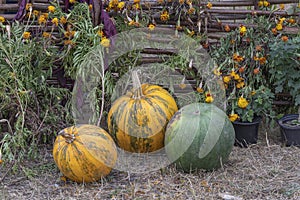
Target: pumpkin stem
(137, 87)
(67, 136)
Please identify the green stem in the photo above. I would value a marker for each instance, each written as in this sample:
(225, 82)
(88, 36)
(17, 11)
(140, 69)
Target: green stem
(137, 87)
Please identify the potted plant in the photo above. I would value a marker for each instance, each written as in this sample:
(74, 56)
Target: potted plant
(285, 55)
(242, 59)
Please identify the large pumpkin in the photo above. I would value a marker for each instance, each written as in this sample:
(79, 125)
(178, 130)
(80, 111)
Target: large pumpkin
(137, 120)
(199, 136)
(84, 153)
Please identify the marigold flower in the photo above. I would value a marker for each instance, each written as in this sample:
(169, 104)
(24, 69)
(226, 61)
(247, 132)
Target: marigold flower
(68, 42)
(181, 1)
(217, 72)
(51, 9)
(227, 79)
(151, 27)
(281, 6)
(284, 38)
(227, 28)
(69, 34)
(2, 19)
(41, 19)
(105, 42)
(55, 21)
(136, 6)
(160, 1)
(242, 102)
(237, 57)
(28, 6)
(256, 70)
(63, 20)
(26, 35)
(90, 6)
(136, 1)
(208, 98)
(1, 161)
(262, 60)
(72, 1)
(242, 69)
(279, 27)
(233, 117)
(291, 21)
(243, 30)
(191, 11)
(266, 3)
(164, 16)
(240, 84)
(274, 31)
(35, 13)
(121, 5)
(200, 89)
(258, 48)
(253, 92)
(209, 5)
(46, 15)
(46, 35)
(260, 3)
(281, 20)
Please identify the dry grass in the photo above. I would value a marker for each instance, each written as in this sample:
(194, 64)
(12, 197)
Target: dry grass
(262, 171)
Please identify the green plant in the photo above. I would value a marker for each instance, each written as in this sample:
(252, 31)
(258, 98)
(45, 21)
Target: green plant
(30, 108)
(242, 63)
(199, 136)
(285, 57)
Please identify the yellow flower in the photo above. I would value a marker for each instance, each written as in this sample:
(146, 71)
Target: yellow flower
(90, 6)
(72, 1)
(260, 3)
(100, 33)
(209, 5)
(281, 6)
(262, 60)
(208, 98)
(253, 92)
(46, 35)
(35, 13)
(279, 27)
(242, 102)
(243, 30)
(46, 15)
(63, 20)
(266, 3)
(182, 85)
(28, 6)
(217, 72)
(281, 20)
(41, 19)
(226, 79)
(237, 57)
(181, 2)
(151, 27)
(105, 42)
(51, 9)
(2, 19)
(164, 16)
(200, 90)
(136, 1)
(68, 42)
(26, 35)
(240, 84)
(121, 5)
(233, 117)
(55, 21)
(191, 11)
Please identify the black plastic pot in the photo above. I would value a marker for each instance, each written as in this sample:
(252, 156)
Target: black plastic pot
(246, 132)
(289, 134)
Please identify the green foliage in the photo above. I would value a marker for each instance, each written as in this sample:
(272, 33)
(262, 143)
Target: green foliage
(285, 67)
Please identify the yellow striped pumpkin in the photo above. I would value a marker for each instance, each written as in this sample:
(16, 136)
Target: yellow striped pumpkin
(137, 120)
(84, 153)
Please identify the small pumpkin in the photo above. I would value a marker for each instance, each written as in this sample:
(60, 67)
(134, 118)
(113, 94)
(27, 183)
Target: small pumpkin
(137, 120)
(84, 153)
(199, 136)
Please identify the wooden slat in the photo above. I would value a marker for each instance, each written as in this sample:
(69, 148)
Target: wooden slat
(9, 7)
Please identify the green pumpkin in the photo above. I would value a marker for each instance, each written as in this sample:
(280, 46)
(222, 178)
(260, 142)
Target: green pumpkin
(199, 136)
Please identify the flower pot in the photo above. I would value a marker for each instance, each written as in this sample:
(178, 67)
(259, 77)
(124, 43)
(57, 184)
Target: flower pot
(290, 134)
(246, 132)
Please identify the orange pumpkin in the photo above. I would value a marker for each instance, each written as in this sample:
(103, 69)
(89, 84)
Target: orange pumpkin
(84, 153)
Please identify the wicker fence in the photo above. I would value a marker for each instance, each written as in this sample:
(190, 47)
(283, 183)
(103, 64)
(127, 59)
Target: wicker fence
(211, 23)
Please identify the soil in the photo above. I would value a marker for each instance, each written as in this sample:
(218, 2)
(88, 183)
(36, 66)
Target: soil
(266, 170)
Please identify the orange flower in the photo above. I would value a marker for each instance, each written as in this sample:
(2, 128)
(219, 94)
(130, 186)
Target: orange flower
(237, 57)
(281, 6)
(200, 90)
(2, 19)
(284, 38)
(164, 16)
(262, 60)
(274, 31)
(46, 35)
(63, 20)
(191, 11)
(256, 70)
(28, 6)
(209, 5)
(242, 69)
(291, 21)
(227, 28)
(26, 35)
(258, 48)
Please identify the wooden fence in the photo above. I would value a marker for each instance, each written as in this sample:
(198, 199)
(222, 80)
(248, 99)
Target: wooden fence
(212, 21)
